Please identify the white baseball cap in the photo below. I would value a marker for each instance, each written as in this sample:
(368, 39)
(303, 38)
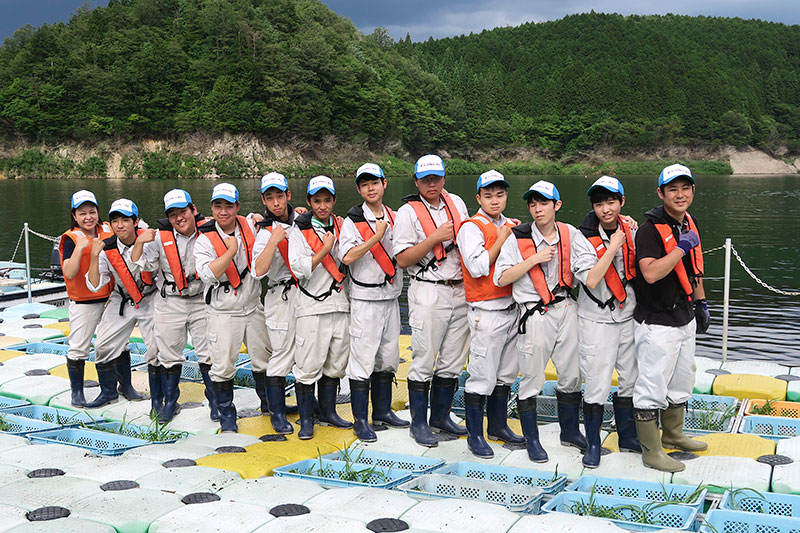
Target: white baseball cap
(317, 183)
(81, 197)
(176, 198)
(489, 177)
(606, 182)
(125, 207)
(274, 180)
(225, 191)
(673, 172)
(429, 165)
(545, 188)
(369, 169)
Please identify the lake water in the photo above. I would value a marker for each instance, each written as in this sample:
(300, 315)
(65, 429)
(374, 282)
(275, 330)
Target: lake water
(760, 214)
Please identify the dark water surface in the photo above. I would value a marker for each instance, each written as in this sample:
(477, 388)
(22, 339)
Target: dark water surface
(760, 214)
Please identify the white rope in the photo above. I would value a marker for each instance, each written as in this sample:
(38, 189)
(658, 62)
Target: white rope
(17, 246)
(757, 280)
(713, 249)
(43, 236)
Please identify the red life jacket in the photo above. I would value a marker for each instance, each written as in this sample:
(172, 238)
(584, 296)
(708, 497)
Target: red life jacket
(123, 273)
(429, 225)
(303, 222)
(209, 229)
(483, 288)
(527, 248)
(611, 277)
(170, 247)
(669, 239)
(378, 251)
(283, 246)
(76, 287)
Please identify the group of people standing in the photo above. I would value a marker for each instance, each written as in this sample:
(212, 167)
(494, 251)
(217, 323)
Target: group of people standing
(486, 286)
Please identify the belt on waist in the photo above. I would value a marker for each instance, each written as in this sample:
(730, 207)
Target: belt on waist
(541, 307)
(287, 285)
(448, 282)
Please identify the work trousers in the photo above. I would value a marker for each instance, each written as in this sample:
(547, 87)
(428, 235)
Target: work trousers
(83, 321)
(374, 329)
(226, 333)
(281, 323)
(493, 356)
(665, 355)
(604, 346)
(114, 330)
(322, 346)
(176, 318)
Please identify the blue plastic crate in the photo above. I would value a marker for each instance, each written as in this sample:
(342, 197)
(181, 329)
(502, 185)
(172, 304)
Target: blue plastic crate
(412, 463)
(53, 415)
(547, 405)
(20, 425)
(726, 521)
(659, 516)
(517, 498)
(697, 422)
(7, 401)
(41, 347)
(244, 376)
(100, 442)
(711, 402)
(330, 472)
(549, 482)
(750, 501)
(138, 432)
(638, 490)
(770, 427)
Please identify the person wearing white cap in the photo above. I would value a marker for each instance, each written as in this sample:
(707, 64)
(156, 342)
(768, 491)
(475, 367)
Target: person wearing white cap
(129, 305)
(544, 260)
(365, 246)
(605, 319)
(322, 310)
(493, 362)
(223, 256)
(425, 244)
(85, 306)
(179, 311)
(271, 252)
(670, 310)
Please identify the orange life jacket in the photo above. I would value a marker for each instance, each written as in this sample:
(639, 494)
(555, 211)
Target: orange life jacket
(669, 239)
(123, 273)
(611, 277)
(429, 225)
(76, 287)
(378, 251)
(283, 246)
(170, 247)
(527, 248)
(483, 288)
(209, 229)
(303, 223)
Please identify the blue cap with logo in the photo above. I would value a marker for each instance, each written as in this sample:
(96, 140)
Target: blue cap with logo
(176, 198)
(545, 188)
(124, 207)
(429, 165)
(274, 180)
(81, 197)
(608, 183)
(225, 191)
(674, 172)
(369, 170)
(317, 183)
(489, 177)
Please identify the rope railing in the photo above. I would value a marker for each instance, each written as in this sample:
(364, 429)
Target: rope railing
(32, 232)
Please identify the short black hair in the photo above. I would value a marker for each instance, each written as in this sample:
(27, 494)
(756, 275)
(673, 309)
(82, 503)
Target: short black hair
(368, 177)
(539, 197)
(116, 214)
(494, 186)
(601, 195)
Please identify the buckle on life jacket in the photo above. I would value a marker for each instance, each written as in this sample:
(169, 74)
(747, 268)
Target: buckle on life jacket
(541, 308)
(335, 287)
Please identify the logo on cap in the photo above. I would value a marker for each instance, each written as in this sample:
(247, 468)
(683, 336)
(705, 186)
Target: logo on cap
(607, 182)
(125, 207)
(318, 183)
(275, 180)
(369, 169)
(428, 165)
(81, 197)
(545, 188)
(489, 177)
(225, 191)
(176, 198)
(673, 172)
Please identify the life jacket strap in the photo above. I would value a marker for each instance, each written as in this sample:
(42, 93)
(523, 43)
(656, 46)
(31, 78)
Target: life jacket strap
(335, 287)
(608, 303)
(174, 286)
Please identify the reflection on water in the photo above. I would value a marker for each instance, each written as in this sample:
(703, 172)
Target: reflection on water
(760, 214)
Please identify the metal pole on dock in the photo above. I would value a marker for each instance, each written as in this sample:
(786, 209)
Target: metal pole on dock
(27, 262)
(726, 300)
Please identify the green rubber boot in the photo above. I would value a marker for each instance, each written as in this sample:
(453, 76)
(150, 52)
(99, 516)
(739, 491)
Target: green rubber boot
(672, 426)
(653, 455)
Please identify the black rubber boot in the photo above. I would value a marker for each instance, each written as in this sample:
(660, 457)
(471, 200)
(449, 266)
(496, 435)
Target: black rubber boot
(276, 387)
(261, 389)
(154, 376)
(75, 368)
(327, 389)
(592, 420)
(171, 380)
(305, 406)
(569, 405)
(223, 391)
(418, 403)
(473, 406)
(359, 402)
(212, 399)
(123, 366)
(381, 391)
(527, 416)
(497, 416)
(626, 426)
(107, 376)
(442, 392)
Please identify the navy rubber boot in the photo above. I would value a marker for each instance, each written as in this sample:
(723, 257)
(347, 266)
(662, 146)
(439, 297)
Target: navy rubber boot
(497, 416)
(626, 425)
(107, 376)
(156, 389)
(327, 389)
(261, 389)
(305, 406)
(172, 392)
(123, 366)
(442, 392)
(473, 406)
(381, 391)
(75, 368)
(276, 393)
(592, 420)
(359, 402)
(223, 391)
(569, 405)
(527, 416)
(418, 403)
(212, 399)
